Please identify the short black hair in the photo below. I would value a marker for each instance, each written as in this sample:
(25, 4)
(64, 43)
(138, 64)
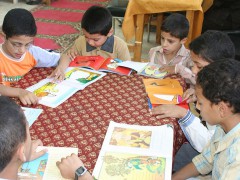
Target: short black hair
(213, 45)
(97, 20)
(177, 25)
(19, 22)
(12, 129)
(220, 81)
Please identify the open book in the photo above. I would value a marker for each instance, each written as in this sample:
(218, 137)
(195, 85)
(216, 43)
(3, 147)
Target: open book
(163, 91)
(54, 93)
(44, 168)
(98, 63)
(146, 69)
(135, 152)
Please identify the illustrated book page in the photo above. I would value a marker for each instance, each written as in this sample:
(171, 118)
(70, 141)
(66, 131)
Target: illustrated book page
(98, 63)
(92, 62)
(53, 93)
(134, 152)
(44, 168)
(31, 114)
(163, 91)
(152, 70)
(137, 66)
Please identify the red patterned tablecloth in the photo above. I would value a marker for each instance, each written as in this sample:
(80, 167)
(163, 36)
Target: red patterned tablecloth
(83, 119)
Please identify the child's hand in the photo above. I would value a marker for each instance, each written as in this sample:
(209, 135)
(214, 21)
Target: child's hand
(36, 154)
(189, 95)
(72, 53)
(168, 69)
(27, 97)
(58, 74)
(169, 110)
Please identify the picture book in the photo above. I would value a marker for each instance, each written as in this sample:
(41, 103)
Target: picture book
(144, 68)
(99, 63)
(163, 91)
(152, 70)
(31, 114)
(44, 168)
(53, 93)
(135, 152)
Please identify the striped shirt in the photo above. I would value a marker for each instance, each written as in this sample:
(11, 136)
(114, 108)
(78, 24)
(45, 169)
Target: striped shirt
(221, 156)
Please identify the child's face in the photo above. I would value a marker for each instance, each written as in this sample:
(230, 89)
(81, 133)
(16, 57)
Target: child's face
(170, 44)
(16, 46)
(95, 40)
(198, 63)
(208, 110)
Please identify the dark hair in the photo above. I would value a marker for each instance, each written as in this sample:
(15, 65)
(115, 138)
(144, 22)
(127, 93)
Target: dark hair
(19, 22)
(12, 129)
(177, 25)
(213, 45)
(220, 81)
(97, 20)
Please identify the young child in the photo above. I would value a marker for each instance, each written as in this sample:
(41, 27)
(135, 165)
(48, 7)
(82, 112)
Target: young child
(217, 91)
(98, 38)
(172, 54)
(17, 147)
(209, 47)
(18, 55)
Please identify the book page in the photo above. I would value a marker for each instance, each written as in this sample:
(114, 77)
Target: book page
(131, 147)
(31, 114)
(53, 93)
(137, 66)
(152, 70)
(44, 168)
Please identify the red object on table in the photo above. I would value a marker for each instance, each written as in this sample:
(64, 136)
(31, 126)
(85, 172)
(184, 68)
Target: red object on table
(83, 119)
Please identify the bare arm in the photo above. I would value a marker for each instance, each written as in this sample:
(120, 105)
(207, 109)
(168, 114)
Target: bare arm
(186, 172)
(26, 97)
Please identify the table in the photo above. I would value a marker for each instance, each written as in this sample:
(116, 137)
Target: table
(133, 24)
(83, 119)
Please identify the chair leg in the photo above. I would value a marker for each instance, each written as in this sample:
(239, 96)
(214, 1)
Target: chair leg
(113, 24)
(149, 28)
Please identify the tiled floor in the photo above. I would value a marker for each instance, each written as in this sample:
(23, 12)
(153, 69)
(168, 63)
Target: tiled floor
(6, 5)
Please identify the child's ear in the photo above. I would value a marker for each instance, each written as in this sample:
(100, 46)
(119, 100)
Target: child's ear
(184, 40)
(110, 32)
(223, 109)
(21, 153)
(2, 35)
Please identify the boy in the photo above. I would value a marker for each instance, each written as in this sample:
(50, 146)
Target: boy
(209, 47)
(18, 55)
(172, 54)
(98, 38)
(16, 146)
(217, 91)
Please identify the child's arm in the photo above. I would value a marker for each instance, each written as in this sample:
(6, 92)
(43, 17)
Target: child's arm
(26, 97)
(59, 72)
(186, 172)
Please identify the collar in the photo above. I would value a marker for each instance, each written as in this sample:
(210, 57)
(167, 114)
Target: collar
(107, 46)
(181, 52)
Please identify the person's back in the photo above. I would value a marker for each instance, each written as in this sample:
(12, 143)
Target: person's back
(172, 54)
(98, 38)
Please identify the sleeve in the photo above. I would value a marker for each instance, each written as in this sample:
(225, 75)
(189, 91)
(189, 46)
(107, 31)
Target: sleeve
(121, 51)
(196, 133)
(43, 57)
(183, 68)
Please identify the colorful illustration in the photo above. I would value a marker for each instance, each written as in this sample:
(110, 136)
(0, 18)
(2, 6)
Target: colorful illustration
(80, 75)
(113, 63)
(153, 70)
(48, 89)
(34, 169)
(120, 166)
(130, 138)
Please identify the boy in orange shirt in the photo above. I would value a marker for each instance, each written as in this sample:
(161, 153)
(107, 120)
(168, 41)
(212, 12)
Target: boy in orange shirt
(18, 55)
